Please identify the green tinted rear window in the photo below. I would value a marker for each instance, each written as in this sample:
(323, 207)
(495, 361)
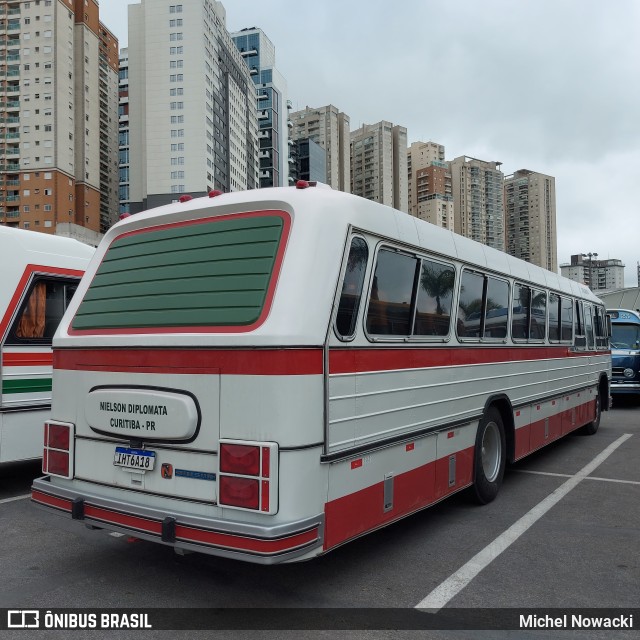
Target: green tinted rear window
(214, 273)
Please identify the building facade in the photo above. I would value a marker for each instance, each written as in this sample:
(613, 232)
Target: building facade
(530, 218)
(271, 95)
(379, 164)
(123, 134)
(192, 107)
(478, 200)
(598, 275)
(310, 161)
(328, 127)
(58, 94)
(429, 184)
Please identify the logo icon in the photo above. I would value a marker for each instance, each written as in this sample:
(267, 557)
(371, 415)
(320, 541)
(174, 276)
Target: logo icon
(23, 619)
(166, 471)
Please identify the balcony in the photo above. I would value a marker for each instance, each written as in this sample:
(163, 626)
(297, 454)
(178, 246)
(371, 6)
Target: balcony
(251, 52)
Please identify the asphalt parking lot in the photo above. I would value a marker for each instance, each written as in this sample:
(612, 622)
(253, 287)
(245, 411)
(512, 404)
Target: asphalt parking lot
(563, 533)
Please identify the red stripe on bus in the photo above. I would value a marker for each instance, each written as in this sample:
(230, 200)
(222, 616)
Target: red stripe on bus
(51, 501)
(126, 520)
(385, 359)
(30, 270)
(287, 361)
(532, 437)
(27, 359)
(241, 543)
(193, 361)
(362, 511)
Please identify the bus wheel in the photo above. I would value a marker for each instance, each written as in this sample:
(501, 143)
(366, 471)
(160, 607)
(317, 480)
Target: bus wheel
(489, 457)
(592, 427)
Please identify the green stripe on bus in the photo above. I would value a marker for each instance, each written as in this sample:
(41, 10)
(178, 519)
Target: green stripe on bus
(26, 386)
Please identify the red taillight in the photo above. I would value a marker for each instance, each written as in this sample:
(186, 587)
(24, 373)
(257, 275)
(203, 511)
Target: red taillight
(240, 459)
(57, 457)
(239, 492)
(248, 475)
(58, 437)
(58, 463)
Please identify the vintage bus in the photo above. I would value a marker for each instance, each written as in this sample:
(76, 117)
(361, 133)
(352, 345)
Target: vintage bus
(267, 375)
(625, 351)
(40, 272)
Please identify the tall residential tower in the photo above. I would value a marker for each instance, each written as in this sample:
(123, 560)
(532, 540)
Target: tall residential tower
(530, 216)
(379, 164)
(478, 200)
(192, 104)
(328, 127)
(430, 192)
(58, 129)
(271, 89)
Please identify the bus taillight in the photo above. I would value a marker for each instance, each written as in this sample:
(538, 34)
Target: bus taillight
(239, 492)
(239, 458)
(57, 459)
(248, 473)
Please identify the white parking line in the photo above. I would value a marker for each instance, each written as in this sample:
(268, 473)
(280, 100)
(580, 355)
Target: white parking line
(22, 497)
(448, 589)
(567, 475)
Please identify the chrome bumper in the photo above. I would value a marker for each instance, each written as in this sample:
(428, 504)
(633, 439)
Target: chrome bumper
(239, 540)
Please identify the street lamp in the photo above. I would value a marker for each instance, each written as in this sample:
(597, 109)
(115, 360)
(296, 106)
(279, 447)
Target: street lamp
(591, 256)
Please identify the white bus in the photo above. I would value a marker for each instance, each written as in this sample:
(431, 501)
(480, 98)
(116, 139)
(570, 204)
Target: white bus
(40, 272)
(267, 375)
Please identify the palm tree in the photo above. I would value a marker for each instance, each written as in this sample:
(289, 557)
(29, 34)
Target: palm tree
(438, 282)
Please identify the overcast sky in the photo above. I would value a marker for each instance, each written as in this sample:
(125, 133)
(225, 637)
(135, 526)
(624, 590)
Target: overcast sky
(535, 84)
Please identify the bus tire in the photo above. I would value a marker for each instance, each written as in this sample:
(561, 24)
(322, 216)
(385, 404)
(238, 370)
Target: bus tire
(592, 427)
(489, 457)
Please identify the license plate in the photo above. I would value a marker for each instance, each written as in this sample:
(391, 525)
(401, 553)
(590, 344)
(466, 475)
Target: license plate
(134, 459)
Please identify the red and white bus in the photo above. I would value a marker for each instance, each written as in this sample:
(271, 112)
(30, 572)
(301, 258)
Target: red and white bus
(40, 272)
(267, 375)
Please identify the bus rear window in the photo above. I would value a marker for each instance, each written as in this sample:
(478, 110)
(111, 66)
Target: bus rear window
(210, 273)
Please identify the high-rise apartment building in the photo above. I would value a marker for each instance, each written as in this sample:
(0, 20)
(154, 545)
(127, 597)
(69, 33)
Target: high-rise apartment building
(598, 275)
(271, 88)
(530, 218)
(310, 161)
(478, 200)
(429, 184)
(108, 62)
(379, 164)
(192, 104)
(328, 127)
(123, 133)
(58, 129)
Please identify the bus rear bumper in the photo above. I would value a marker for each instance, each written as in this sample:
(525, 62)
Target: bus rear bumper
(253, 543)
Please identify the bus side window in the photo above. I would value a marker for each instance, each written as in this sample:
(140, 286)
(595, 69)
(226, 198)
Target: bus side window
(600, 328)
(520, 312)
(470, 305)
(566, 320)
(554, 317)
(41, 312)
(588, 323)
(433, 304)
(537, 326)
(580, 336)
(352, 288)
(390, 303)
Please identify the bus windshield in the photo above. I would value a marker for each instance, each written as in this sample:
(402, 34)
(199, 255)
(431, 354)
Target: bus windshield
(625, 336)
